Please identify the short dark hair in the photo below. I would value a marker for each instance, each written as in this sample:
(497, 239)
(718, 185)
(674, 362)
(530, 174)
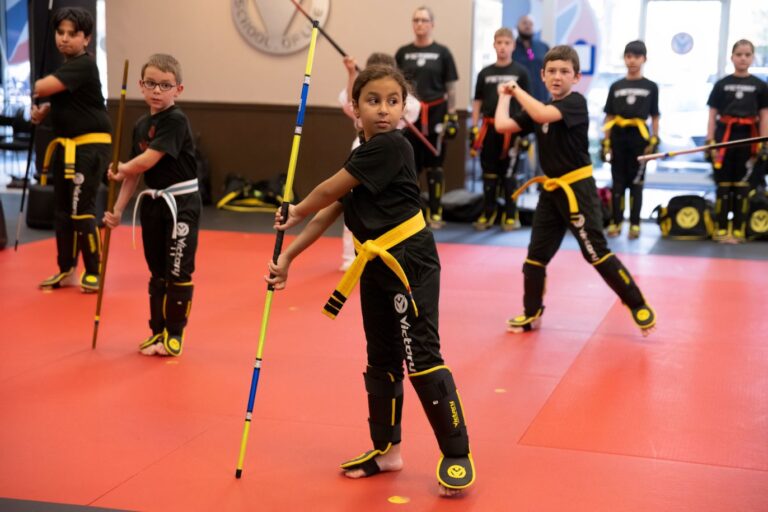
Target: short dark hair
(636, 48)
(80, 18)
(742, 42)
(165, 63)
(562, 52)
(384, 59)
(376, 72)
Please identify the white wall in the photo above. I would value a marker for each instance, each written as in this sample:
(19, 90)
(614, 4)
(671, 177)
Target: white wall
(220, 66)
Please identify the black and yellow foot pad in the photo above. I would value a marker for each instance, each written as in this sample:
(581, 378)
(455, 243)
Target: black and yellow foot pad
(150, 346)
(456, 472)
(525, 323)
(644, 317)
(89, 283)
(172, 343)
(366, 462)
(57, 280)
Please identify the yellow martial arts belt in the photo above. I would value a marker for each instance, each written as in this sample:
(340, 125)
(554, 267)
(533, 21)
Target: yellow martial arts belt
(368, 251)
(623, 122)
(70, 149)
(565, 181)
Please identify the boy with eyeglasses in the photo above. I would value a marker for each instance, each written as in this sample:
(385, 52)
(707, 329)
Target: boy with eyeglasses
(163, 150)
(80, 151)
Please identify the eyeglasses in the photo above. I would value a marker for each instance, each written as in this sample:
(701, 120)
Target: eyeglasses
(422, 20)
(151, 84)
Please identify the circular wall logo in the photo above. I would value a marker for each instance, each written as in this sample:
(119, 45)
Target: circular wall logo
(277, 27)
(682, 43)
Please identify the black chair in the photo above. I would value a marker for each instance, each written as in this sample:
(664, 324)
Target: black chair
(17, 142)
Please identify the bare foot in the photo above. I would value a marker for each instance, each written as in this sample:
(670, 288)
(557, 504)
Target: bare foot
(390, 461)
(447, 492)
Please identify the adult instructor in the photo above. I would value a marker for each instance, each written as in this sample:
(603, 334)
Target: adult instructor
(430, 68)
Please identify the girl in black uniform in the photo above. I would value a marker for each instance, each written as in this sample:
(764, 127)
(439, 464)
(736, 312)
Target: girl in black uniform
(80, 122)
(738, 109)
(378, 193)
(569, 196)
(431, 69)
(164, 152)
(495, 148)
(630, 102)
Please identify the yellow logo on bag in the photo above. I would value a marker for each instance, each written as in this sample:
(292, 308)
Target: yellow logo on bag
(687, 217)
(759, 221)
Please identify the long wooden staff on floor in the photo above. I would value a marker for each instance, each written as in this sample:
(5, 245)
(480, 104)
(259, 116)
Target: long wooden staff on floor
(409, 124)
(32, 130)
(111, 197)
(287, 197)
(709, 147)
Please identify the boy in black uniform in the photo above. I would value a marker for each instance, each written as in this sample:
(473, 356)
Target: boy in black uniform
(630, 101)
(495, 159)
(569, 198)
(399, 273)
(164, 151)
(738, 109)
(81, 150)
(429, 66)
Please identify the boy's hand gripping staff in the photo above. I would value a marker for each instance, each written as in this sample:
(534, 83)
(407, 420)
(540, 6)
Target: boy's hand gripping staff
(111, 197)
(287, 197)
(708, 147)
(34, 126)
(409, 124)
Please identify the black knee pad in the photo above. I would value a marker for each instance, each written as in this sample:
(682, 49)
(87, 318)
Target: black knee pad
(440, 399)
(385, 407)
(616, 275)
(740, 207)
(490, 186)
(436, 184)
(178, 303)
(534, 282)
(157, 288)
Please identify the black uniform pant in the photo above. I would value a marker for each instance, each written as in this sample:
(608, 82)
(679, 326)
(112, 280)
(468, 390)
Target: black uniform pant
(75, 207)
(550, 222)
(732, 191)
(498, 177)
(394, 334)
(626, 145)
(428, 161)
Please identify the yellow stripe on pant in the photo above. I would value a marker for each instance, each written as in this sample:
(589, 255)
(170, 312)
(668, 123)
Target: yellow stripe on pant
(70, 150)
(623, 122)
(565, 181)
(366, 252)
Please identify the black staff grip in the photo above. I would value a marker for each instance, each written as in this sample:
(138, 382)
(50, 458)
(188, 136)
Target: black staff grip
(279, 240)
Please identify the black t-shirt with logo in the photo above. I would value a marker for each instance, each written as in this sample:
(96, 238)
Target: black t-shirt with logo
(388, 193)
(633, 99)
(739, 96)
(563, 145)
(167, 131)
(428, 68)
(80, 108)
(488, 80)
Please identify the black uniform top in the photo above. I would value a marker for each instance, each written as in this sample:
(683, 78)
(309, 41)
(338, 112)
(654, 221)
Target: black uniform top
(739, 96)
(633, 98)
(563, 145)
(428, 68)
(388, 193)
(167, 131)
(488, 79)
(80, 108)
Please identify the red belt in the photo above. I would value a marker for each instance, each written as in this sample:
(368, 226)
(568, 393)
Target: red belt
(488, 121)
(425, 106)
(729, 121)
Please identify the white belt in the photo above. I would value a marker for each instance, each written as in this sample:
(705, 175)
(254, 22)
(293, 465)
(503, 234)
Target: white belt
(177, 189)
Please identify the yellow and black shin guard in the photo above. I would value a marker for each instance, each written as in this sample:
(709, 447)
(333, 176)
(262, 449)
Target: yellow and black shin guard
(89, 241)
(740, 209)
(440, 399)
(157, 287)
(616, 275)
(178, 304)
(385, 406)
(435, 185)
(534, 282)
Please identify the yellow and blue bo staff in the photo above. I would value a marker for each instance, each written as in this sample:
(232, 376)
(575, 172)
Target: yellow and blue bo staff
(287, 197)
(409, 124)
(32, 131)
(709, 147)
(111, 198)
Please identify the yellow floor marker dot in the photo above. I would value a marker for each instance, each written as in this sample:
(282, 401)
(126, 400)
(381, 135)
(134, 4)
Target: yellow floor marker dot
(499, 390)
(171, 361)
(293, 308)
(398, 500)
